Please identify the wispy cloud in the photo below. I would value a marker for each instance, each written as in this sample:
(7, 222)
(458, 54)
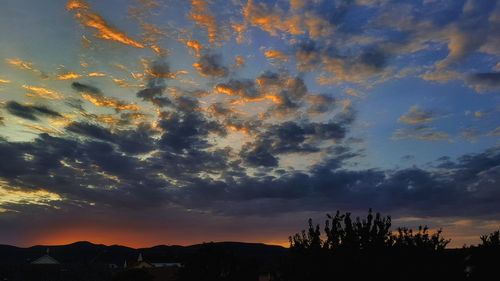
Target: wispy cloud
(105, 31)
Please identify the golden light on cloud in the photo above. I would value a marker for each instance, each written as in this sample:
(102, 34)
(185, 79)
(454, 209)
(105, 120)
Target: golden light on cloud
(239, 29)
(91, 19)
(19, 63)
(76, 4)
(272, 19)
(275, 55)
(239, 61)
(195, 45)
(223, 89)
(268, 97)
(15, 196)
(4, 81)
(158, 50)
(68, 76)
(235, 128)
(42, 92)
(201, 16)
(42, 129)
(96, 74)
(109, 102)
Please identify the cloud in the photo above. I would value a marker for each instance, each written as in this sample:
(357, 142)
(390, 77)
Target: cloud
(484, 81)
(417, 116)
(195, 45)
(290, 137)
(201, 15)
(495, 132)
(210, 65)
(68, 76)
(30, 112)
(25, 65)
(285, 92)
(95, 96)
(4, 81)
(272, 19)
(420, 132)
(320, 103)
(157, 73)
(42, 92)
(275, 55)
(130, 141)
(463, 38)
(105, 31)
(244, 88)
(187, 131)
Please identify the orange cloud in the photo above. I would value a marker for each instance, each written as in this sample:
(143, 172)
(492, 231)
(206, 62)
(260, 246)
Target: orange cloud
(238, 128)
(268, 97)
(4, 81)
(195, 45)
(42, 92)
(43, 129)
(275, 55)
(91, 19)
(239, 29)
(96, 74)
(201, 16)
(109, 102)
(21, 64)
(68, 76)
(239, 61)
(272, 19)
(25, 65)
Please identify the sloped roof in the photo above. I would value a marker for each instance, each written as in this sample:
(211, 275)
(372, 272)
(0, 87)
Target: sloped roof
(46, 259)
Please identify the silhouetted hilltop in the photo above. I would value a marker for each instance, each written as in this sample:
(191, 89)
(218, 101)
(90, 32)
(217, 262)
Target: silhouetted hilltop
(84, 252)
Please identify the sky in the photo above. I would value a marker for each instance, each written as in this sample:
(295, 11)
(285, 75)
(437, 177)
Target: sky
(144, 122)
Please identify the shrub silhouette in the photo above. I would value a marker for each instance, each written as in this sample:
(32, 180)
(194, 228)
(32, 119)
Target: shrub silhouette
(371, 233)
(491, 240)
(362, 248)
(406, 238)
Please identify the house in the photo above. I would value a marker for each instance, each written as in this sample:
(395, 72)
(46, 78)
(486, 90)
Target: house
(45, 260)
(140, 263)
(167, 264)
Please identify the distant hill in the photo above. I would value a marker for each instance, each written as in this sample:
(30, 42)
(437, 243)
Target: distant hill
(89, 253)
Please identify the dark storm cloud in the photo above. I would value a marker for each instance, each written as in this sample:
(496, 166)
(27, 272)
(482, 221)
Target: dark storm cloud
(186, 131)
(211, 65)
(289, 137)
(80, 87)
(30, 112)
(373, 58)
(130, 141)
(486, 80)
(468, 188)
(320, 103)
(87, 171)
(158, 72)
(240, 87)
(288, 92)
(83, 172)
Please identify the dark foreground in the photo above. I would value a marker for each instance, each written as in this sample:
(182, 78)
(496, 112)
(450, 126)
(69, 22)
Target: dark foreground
(241, 261)
(345, 249)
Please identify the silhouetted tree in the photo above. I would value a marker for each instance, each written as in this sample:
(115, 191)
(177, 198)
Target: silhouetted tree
(491, 240)
(364, 248)
(422, 240)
